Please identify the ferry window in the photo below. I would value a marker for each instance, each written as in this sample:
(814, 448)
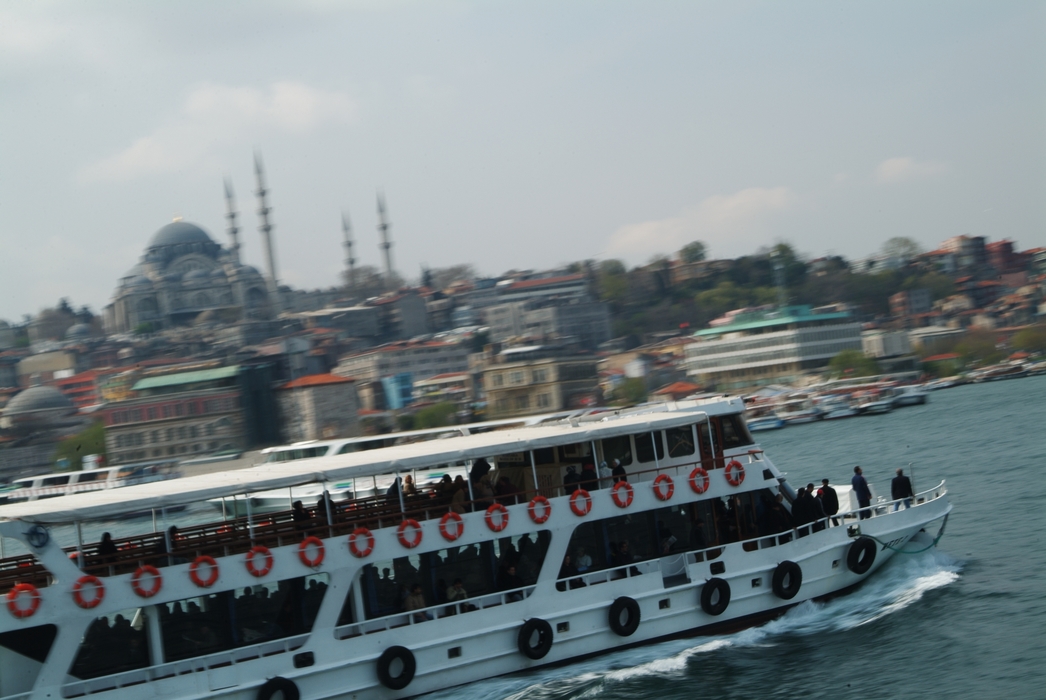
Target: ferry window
(55, 480)
(735, 434)
(645, 445)
(229, 619)
(32, 642)
(545, 455)
(84, 477)
(113, 644)
(680, 441)
(619, 448)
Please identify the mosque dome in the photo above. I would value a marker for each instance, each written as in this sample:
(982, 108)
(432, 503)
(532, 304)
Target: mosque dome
(177, 233)
(36, 399)
(78, 331)
(198, 274)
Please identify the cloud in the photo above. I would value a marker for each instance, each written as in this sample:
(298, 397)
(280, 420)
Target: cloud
(720, 221)
(906, 169)
(216, 116)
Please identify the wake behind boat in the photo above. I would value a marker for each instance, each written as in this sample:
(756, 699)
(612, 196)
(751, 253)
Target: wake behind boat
(684, 531)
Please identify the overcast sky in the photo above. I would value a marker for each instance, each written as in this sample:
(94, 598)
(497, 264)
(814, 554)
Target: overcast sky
(518, 135)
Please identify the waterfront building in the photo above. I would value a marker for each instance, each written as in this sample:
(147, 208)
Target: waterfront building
(539, 379)
(319, 407)
(420, 359)
(776, 346)
(191, 414)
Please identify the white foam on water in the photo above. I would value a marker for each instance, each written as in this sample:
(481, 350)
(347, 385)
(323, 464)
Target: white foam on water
(899, 584)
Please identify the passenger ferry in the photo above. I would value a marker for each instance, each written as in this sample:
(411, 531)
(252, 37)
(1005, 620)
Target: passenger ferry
(685, 531)
(32, 488)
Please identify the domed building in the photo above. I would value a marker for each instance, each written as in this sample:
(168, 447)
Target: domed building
(183, 273)
(36, 408)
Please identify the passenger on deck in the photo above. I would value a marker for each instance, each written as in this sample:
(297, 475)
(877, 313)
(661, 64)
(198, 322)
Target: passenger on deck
(829, 500)
(324, 506)
(483, 493)
(584, 562)
(863, 493)
(300, 516)
(568, 572)
(409, 489)
(779, 519)
(618, 471)
(458, 594)
(106, 549)
(589, 479)
(508, 580)
(697, 535)
(901, 487)
(507, 494)
(571, 480)
(416, 601)
(606, 476)
(460, 497)
(815, 510)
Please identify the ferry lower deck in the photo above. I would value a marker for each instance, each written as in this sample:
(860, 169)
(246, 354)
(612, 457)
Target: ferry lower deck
(405, 593)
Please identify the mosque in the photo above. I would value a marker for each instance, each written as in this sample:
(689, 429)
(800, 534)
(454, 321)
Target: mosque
(184, 276)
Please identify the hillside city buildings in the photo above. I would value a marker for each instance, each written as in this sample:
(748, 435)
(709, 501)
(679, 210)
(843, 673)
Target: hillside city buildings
(199, 356)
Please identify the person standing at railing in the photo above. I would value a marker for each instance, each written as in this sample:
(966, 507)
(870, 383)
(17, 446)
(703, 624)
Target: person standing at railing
(618, 472)
(901, 488)
(864, 494)
(815, 508)
(829, 500)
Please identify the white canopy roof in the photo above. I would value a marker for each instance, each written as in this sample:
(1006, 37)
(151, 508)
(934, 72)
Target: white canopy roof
(112, 503)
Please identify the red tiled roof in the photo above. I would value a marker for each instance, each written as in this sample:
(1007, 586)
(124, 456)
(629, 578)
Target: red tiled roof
(316, 380)
(678, 388)
(942, 357)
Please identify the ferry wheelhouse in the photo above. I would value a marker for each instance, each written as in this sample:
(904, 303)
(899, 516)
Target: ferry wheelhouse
(412, 591)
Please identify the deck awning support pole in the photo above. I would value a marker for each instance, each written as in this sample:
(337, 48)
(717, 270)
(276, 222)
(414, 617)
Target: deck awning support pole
(595, 465)
(399, 491)
(166, 535)
(79, 545)
(153, 511)
(327, 506)
(534, 472)
(250, 516)
(711, 438)
(653, 443)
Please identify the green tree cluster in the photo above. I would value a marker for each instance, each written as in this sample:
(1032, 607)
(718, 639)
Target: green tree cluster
(1031, 339)
(852, 363)
(89, 441)
(436, 415)
(629, 392)
(978, 347)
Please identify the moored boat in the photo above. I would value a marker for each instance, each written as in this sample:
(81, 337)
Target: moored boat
(409, 592)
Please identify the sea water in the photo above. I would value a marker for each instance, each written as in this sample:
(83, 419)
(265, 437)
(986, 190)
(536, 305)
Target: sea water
(966, 620)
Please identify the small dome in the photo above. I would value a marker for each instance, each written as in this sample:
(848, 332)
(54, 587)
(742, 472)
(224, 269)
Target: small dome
(177, 233)
(78, 331)
(197, 274)
(37, 398)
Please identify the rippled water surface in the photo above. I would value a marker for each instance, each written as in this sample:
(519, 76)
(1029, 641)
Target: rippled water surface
(967, 620)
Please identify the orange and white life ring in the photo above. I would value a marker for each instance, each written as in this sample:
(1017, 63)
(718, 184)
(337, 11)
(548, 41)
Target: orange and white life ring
(663, 487)
(136, 581)
(259, 551)
(16, 593)
(622, 501)
(502, 522)
(699, 480)
(546, 509)
(581, 495)
(303, 551)
(96, 598)
(194, 571)
(354, 542)
(735, 473)
(444, 526)
(401, 533)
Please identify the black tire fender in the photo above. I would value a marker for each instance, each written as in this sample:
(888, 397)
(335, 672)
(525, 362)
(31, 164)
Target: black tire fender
(528, 646)
(385, 665)
(276, 685)
(628, 626)
(861, 555)
(787, 580)
(708, 593)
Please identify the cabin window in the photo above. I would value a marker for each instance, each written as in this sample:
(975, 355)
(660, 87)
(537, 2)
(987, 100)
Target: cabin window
(646, 444)
(113, 644)
(229, 619)
(483, 569)
(735, 433)
(84, 477)
(545, 455)
(55, 480)
(680, 441)
(619, 448)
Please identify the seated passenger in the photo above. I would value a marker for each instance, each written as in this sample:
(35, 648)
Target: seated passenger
(507, 494)
(584, 562)
(508, 580)
(416, 601)
(567, 574)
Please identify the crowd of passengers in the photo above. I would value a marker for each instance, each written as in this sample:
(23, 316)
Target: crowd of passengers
(453, 576)
(111, 646)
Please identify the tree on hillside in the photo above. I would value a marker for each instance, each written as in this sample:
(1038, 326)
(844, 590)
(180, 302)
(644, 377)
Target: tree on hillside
(852, 363)
(443, 277)
(629, 392)
(901, 247)
(435, 416)
(693, 252)
(90, 441)
(1031, 339)
(978, 346)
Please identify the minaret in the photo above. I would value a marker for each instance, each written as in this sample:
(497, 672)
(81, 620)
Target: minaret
(383, 227)
(266, 230)
(230, 215)
(349, 260)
